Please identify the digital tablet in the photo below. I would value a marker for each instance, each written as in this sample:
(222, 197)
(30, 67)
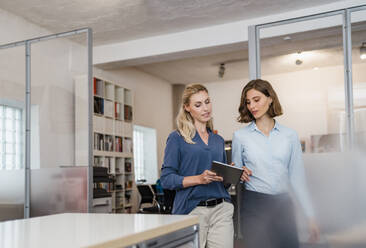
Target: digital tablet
(231, 174)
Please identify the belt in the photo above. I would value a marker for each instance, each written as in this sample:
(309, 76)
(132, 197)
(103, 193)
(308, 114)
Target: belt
(210, 202)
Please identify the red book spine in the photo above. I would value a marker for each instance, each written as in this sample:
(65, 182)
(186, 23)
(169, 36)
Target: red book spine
(95, 86)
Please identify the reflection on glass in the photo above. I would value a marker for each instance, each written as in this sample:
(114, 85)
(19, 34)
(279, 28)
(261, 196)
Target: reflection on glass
(12, 102)
(53, 98)
(358, 20)
(306, 69)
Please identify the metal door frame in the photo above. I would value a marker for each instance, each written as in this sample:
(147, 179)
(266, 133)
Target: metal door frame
(27, 44)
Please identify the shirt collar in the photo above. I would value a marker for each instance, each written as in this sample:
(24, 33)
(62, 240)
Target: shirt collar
(253, 126)
(277, 126)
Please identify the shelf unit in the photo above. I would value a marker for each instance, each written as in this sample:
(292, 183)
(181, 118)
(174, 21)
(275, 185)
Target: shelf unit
(112, 139)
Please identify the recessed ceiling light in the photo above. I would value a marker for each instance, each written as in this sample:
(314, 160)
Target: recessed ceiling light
(363, 51)
(287, 38)
(315, 68)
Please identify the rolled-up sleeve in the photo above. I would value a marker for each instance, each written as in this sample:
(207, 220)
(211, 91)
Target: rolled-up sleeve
(236, 151)
(297, 177)
(170, 177)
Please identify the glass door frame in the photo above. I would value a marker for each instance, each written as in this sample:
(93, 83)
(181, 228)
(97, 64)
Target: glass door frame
(255, 60)
(27, 44)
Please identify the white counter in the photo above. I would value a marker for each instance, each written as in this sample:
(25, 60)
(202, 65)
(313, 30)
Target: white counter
(89, 230)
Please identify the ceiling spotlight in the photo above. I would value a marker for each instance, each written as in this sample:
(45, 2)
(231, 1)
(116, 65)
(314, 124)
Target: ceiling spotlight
(298, 60)
(221, 70)
(363, 51)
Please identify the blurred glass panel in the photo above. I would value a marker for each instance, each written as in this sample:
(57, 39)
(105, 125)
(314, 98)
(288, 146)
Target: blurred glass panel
(10, 161)
(304, 62)
(9, 136)
(358, 20)
(53, 98)
(9, 124)
(18, 114)
(9, 113)
(66, 190)
(305, 67)
(9, 148)
(12, 95)
(55, 111)
(11, 194)
(18, 126)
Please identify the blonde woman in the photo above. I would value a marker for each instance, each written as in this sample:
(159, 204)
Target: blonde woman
(189, 153)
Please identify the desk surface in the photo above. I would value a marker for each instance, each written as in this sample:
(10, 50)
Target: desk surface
(89, 230)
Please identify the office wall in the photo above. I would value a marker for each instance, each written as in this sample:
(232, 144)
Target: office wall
(54, 64)
(303, 95)
(153, 101)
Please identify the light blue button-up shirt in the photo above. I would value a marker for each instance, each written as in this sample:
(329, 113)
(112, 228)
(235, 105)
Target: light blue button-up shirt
(275, 161)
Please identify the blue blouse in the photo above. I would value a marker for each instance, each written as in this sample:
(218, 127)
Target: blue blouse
(276, 161)
(182, 159)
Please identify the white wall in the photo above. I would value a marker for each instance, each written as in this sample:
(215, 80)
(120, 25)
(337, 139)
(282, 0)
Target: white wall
(54, 64)
(153, 101)
(303, 96)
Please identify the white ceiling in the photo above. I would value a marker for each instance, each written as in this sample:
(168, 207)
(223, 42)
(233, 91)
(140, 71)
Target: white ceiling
(115, 21)
(120, 20)
(320, 48)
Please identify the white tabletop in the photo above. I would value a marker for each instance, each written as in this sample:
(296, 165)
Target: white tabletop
(89, 230)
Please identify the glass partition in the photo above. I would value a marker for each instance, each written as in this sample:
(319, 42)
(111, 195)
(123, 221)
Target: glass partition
(58, 71)
(305, 66)
(59, 131)
(304, 60)
(12, 133)
(358, 25)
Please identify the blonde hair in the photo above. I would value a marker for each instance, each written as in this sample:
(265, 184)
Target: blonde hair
(185, 122)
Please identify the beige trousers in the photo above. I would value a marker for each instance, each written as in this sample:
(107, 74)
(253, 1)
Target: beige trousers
(216, 225)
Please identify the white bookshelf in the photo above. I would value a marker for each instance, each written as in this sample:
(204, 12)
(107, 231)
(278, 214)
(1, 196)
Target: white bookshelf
(112, 137)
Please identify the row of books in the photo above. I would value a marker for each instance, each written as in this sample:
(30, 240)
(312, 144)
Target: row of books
(106, 186)
(103, 162)
(98, 142)
(110, 144)
(107, 108)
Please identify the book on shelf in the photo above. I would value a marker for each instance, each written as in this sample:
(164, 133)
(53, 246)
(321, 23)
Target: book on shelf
(98, 141)
(117, 110)
(98, 105)
(128, 112)
(108, 143)
(118, 141)
(128, 166)
(94, 86)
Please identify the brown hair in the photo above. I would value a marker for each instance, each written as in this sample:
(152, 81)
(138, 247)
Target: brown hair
(265, 87)
(185, 122)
